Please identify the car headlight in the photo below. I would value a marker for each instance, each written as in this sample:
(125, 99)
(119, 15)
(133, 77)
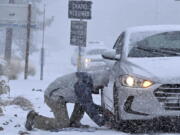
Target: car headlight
(134, 82)
(87, 60)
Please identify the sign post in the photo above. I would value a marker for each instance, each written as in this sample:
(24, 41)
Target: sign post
(27, 42)
(8, 44)
(42, 48)
(79, 10)
(78, 38)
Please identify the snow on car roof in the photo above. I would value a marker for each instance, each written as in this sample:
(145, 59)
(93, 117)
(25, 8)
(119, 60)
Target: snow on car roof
(153, 28)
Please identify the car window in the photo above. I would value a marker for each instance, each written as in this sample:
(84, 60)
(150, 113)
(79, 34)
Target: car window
(119, 43)
(160, 44)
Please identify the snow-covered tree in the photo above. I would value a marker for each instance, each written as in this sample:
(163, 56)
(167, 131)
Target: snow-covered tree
(20, 37)
(19, 33)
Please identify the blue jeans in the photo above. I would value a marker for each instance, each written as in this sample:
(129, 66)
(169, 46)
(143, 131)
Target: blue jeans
(83, 89)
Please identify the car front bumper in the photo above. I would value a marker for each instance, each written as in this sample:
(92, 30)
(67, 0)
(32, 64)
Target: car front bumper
(157, 101)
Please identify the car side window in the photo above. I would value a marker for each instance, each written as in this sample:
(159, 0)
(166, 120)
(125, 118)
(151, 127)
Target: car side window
(119, 43)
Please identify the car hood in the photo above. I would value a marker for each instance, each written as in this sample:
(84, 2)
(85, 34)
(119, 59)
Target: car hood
(94, 57)
(162, 70)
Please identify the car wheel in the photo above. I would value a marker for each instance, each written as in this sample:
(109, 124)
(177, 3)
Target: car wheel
(119, 124)
(128, 126)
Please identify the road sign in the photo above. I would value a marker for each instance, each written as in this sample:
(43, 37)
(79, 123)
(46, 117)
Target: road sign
(15, 14)
(80, 9)
(78, 33)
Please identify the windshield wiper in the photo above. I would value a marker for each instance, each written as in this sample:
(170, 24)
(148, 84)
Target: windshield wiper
(174, 50)
(158, 51)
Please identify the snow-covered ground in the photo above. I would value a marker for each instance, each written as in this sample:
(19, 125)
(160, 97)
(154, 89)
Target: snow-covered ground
(14, 117)
(57, 63)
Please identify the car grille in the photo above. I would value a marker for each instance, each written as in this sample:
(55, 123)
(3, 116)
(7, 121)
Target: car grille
(169, 96)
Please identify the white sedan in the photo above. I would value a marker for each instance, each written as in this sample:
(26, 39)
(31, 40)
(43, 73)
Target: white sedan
(145, 79)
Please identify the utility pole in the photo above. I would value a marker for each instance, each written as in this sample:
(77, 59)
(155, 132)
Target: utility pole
(27, 42)
(8, 44)
(42, 49)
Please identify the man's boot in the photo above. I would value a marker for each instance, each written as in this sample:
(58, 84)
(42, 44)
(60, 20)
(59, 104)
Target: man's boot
(30, 120)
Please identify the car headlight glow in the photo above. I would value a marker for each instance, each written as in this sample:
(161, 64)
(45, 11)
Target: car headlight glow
(130, 81)
(134, 82)
(87, 60)
(147, 84)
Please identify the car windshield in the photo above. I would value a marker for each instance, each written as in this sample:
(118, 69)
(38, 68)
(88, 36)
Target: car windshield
(155, 44)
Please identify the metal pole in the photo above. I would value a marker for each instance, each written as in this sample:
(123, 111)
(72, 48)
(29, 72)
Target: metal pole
(8, 47)
(79, 68)
(27, 42)
(8, 44)
(79, 60)
(42, 49)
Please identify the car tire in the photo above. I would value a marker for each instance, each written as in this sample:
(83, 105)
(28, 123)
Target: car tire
(119, 124)
(128, 126)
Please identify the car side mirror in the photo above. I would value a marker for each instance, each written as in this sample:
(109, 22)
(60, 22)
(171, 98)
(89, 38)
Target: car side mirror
(111, 55)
